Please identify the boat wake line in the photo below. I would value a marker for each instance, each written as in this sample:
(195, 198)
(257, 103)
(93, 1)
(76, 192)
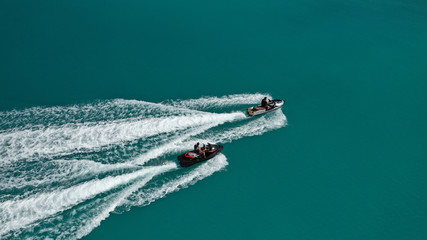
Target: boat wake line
(65, 169)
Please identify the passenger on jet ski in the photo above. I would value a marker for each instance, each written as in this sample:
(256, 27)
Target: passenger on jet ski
(202, 151)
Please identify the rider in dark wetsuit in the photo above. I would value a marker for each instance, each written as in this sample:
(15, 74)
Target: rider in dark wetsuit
(264, 103)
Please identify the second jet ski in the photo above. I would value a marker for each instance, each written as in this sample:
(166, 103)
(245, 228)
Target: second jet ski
(190, 158)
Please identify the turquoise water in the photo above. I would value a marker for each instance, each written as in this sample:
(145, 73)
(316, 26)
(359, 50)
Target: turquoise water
(94, 110)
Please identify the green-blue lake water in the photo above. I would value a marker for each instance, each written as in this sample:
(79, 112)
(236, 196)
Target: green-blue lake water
(97, 99)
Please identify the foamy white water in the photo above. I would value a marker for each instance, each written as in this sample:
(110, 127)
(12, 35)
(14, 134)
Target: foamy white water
(16, 214)
(204, 170)
(55, 171)
(216, 102)
(66, 169)
(54, 140)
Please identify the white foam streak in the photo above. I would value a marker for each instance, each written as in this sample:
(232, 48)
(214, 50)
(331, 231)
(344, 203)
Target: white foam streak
(15, 214)
(65, 169)
(145, 198)
(179, 144)
(90, 224)
(55, 140)
(214, 102)
(204, 170)
(58, 171)
(110, 110)
(256, 127)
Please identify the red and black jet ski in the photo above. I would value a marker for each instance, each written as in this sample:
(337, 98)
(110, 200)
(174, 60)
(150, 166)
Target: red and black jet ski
(190, 158)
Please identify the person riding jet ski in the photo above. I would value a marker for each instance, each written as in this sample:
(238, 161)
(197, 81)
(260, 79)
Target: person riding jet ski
(265, 103)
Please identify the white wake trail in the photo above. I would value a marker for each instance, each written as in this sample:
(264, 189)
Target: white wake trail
(130, 197)
(15, 214)
(256, 127)
(200, 172)
(110, 110)
(66, 169)
(137, 196)
(69, 138)
(46, 173)
(216, 102)
(181, 143)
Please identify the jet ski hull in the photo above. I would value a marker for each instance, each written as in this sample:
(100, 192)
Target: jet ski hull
(186, 160)
(277, 104)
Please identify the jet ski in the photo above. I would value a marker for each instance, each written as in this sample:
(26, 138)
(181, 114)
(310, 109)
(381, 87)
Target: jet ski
(259, 110)
(190, 158)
